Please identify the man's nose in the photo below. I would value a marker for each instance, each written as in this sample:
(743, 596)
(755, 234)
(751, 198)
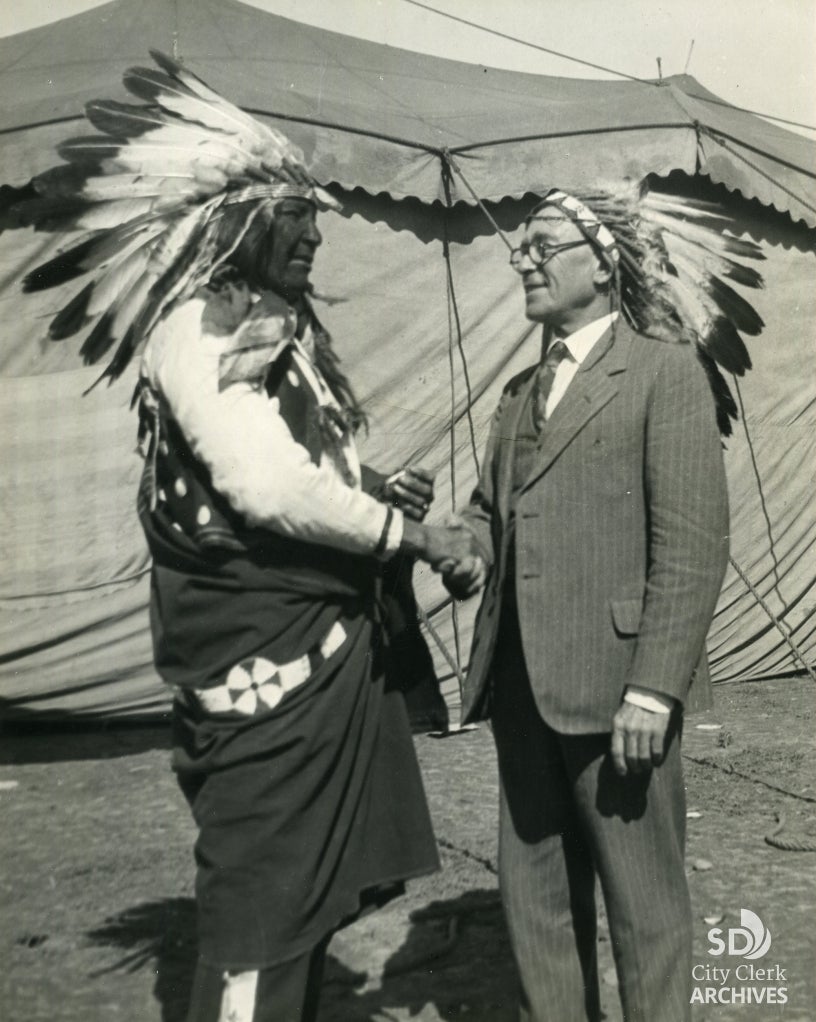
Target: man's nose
(526, 264)
(312, 234)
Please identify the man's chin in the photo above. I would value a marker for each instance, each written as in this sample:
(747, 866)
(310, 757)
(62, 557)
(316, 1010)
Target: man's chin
(295, 284)
(536, 309)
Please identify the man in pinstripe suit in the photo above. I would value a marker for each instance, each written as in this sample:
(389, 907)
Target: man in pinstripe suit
(600, 525)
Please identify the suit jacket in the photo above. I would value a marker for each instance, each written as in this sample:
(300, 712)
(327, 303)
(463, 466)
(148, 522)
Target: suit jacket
(621, 534)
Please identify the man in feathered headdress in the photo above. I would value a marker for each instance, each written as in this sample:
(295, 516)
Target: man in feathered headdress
(296, 759)
(601, 527)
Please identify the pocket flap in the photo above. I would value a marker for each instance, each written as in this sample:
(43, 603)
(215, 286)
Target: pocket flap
(626, 615)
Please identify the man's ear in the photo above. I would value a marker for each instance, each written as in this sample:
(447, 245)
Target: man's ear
(602, 275)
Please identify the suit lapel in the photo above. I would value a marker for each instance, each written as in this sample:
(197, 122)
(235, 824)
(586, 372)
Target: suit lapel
(508, 431)
(593, 386)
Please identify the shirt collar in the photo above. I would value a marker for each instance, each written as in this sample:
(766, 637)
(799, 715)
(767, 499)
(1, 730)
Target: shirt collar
(584, 340)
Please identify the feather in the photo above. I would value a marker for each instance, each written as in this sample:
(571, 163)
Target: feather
(707, 237)
(136, 186)
(726, 347)
(114, 324)
(65, 181)
(122, 355)
(123, 120)
(708, 327)
(47, 214)
(91, 253)
(696, 313)
(230, 115)
(112, 216)
(137, 125)
(13, 202)
(174, 271)
(714, 263)
(118, 280)
(112, 246)
(98, 340)
(180, 100)
(149, 191)
(150, 85)
(72, 317)
(88, 149)
(724, 403)
(678, 256)
(59, 270)
(722, 298)
(684, 207)
(739, 311)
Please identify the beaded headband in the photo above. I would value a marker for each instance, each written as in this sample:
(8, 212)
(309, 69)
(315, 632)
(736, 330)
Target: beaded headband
(584, 219)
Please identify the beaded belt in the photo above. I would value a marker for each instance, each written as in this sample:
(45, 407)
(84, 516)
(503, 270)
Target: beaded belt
(258, 684)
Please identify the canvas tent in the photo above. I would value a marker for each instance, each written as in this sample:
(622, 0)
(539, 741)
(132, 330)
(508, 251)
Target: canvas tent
(423, 308)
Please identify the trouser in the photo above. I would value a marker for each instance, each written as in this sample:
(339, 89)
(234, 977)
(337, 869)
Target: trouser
(565, 819)
(286, 992)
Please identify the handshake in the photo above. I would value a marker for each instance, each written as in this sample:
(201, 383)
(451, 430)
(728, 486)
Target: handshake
(450, 549)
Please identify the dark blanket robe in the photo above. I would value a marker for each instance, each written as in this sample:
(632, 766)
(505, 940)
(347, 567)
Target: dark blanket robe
(307, 794)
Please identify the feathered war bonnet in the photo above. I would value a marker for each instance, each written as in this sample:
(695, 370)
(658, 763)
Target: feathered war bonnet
(166, 194)
(670, 260)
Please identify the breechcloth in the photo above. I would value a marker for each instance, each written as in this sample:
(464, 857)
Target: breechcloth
(287, 992)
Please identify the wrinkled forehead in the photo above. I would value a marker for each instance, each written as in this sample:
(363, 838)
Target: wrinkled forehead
(550, 223)
(287, 205)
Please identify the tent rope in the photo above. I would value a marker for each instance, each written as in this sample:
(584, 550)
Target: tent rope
(454, 321)
(453, 312)
(720, 141)
(600, 67)
(802, 843)
(448, 161)
(527, 42)
(443, 649)
(454, 609)
(783, 631)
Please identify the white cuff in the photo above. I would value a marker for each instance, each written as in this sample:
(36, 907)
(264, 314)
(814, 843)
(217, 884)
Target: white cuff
(648, 701)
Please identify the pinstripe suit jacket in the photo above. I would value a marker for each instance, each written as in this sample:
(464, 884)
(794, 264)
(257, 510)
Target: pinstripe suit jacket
(621, 535)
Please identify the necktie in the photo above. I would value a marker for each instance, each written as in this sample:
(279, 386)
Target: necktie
(544, 381)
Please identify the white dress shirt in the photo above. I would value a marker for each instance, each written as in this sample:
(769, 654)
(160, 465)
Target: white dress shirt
(578, 346)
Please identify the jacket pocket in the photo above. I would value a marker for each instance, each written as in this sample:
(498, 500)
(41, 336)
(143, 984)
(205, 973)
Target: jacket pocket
(626, 616)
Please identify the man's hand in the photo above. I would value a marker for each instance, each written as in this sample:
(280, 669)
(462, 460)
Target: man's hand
(638, 739)
(441, 546)
(411, 490)
(466, 577)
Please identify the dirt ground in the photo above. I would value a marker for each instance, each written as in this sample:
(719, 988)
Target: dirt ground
(96, 911)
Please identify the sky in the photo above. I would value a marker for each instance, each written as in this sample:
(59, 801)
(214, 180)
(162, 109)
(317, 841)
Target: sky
(759, 54)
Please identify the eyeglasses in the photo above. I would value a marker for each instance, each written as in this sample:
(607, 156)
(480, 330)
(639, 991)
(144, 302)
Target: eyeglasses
(539, 254)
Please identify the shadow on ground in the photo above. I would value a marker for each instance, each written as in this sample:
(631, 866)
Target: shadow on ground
(32, 740)
(451, 945)
(159, 935)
